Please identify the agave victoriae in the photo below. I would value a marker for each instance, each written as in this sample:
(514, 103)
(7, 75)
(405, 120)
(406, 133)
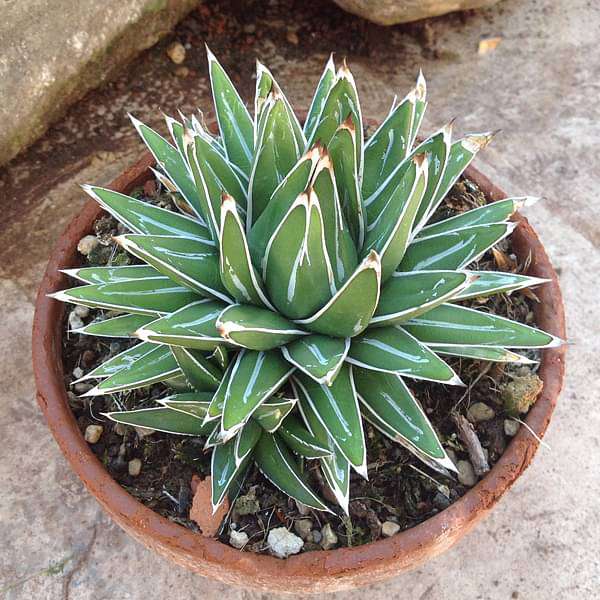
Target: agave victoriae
(301, 284)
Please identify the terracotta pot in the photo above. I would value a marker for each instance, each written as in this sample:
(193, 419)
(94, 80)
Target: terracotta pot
(318, 571)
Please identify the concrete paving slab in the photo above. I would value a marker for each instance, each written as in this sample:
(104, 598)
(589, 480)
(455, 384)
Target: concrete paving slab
(540, 86)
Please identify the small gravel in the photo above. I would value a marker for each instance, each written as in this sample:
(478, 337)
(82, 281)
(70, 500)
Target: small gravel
(329, 538)
(282, 543)
(466, 474)
(134, 467)
(511, 427)
(480, 412)
(389, 528)
(93, 433)
(238, 539)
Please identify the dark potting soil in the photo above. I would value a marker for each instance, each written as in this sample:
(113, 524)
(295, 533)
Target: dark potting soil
(401, 490)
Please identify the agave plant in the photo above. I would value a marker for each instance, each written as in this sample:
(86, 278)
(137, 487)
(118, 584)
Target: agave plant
(302, 282)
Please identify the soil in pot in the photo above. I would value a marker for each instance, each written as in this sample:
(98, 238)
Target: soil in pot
(475, 424)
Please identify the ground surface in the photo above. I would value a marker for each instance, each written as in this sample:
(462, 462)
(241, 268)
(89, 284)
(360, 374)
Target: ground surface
(540, 86)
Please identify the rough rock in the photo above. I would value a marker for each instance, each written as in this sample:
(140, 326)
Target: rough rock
(521, 393)
(479, 411)
(247, 504)
(87, 244)
(282, 543)
(238, 539)
(466, 474)
(52, 52)
(390, 12)
(93, 433)
(389, 528)
(329, 538)
(201, 511)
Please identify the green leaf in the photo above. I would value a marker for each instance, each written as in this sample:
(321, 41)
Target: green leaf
(410, 294)
(270, 414)
(157, 365)
(300, 440)
(170, 161)
(338, 241)
(389, 398)
(389, 145)
(342, 149)
(256, 328)
(190, 403)
(393, 350)
(296, 260)
(200, 374)
(280, 468)
(224, 470)
(319, 356)
(295, 182)
(141, 297)
(142, 217)
(112, 274)
(254, 377)
(161, 419)
(486, 283)
(495, 212)
(460, 156)
(337, 409)
(277, 152)
(237, 272)
(487, 353)
(389, 234)
(246, 439)
(119, 361)
(420, 106)
(449, 324)
(326, 82)
(220, 357)
(453, 250)
(194, 326)
(122, 326)
(235, 123)
(192, 263)
(348, 313)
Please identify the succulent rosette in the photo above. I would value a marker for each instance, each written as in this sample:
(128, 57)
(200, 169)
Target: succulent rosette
(302, 283)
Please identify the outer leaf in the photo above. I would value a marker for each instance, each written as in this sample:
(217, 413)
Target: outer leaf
(194, 326)
(123, 326)
(389, 233)
(235, 123)
(142, 217)
(191, 403)
(246, 439)
(348, 313)
(157, 365)
(342, 149)
(161, 419)
(237, 272)
(256, 328)
(170, 161)
(280, 468)
(393, 350)
(410, 294)
(254, 377)
(495, 212)
(199, 373)
(488, 353)
(389, 398)
(119, 361)
(453, 250)
(224, 470)
(420, 105)
(336, 407)
(449, 324)
(296, 260)
(141, 297)
(486, 283)
(112, 274)
(270, 414)
(319, 356)
(300, 440)
(193, 263)
(326, 82)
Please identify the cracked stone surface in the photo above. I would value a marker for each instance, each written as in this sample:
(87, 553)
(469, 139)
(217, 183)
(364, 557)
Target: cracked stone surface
(540, 86)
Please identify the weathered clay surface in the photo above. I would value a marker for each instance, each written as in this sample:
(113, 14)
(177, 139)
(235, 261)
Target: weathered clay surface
(54, 51)
(390, 12)
(543, 539)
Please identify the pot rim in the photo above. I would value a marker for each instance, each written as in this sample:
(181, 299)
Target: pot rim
(318, 571)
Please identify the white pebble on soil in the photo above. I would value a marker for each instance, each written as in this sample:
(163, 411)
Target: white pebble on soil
(238, 539)
(134, 467)
(479, 412)
(466, 474)
(75, 321)
(87, 244)
(511, 427)
(93, 433)
(77, 372)
(282, 543)
(329, 538)
(389, 528)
